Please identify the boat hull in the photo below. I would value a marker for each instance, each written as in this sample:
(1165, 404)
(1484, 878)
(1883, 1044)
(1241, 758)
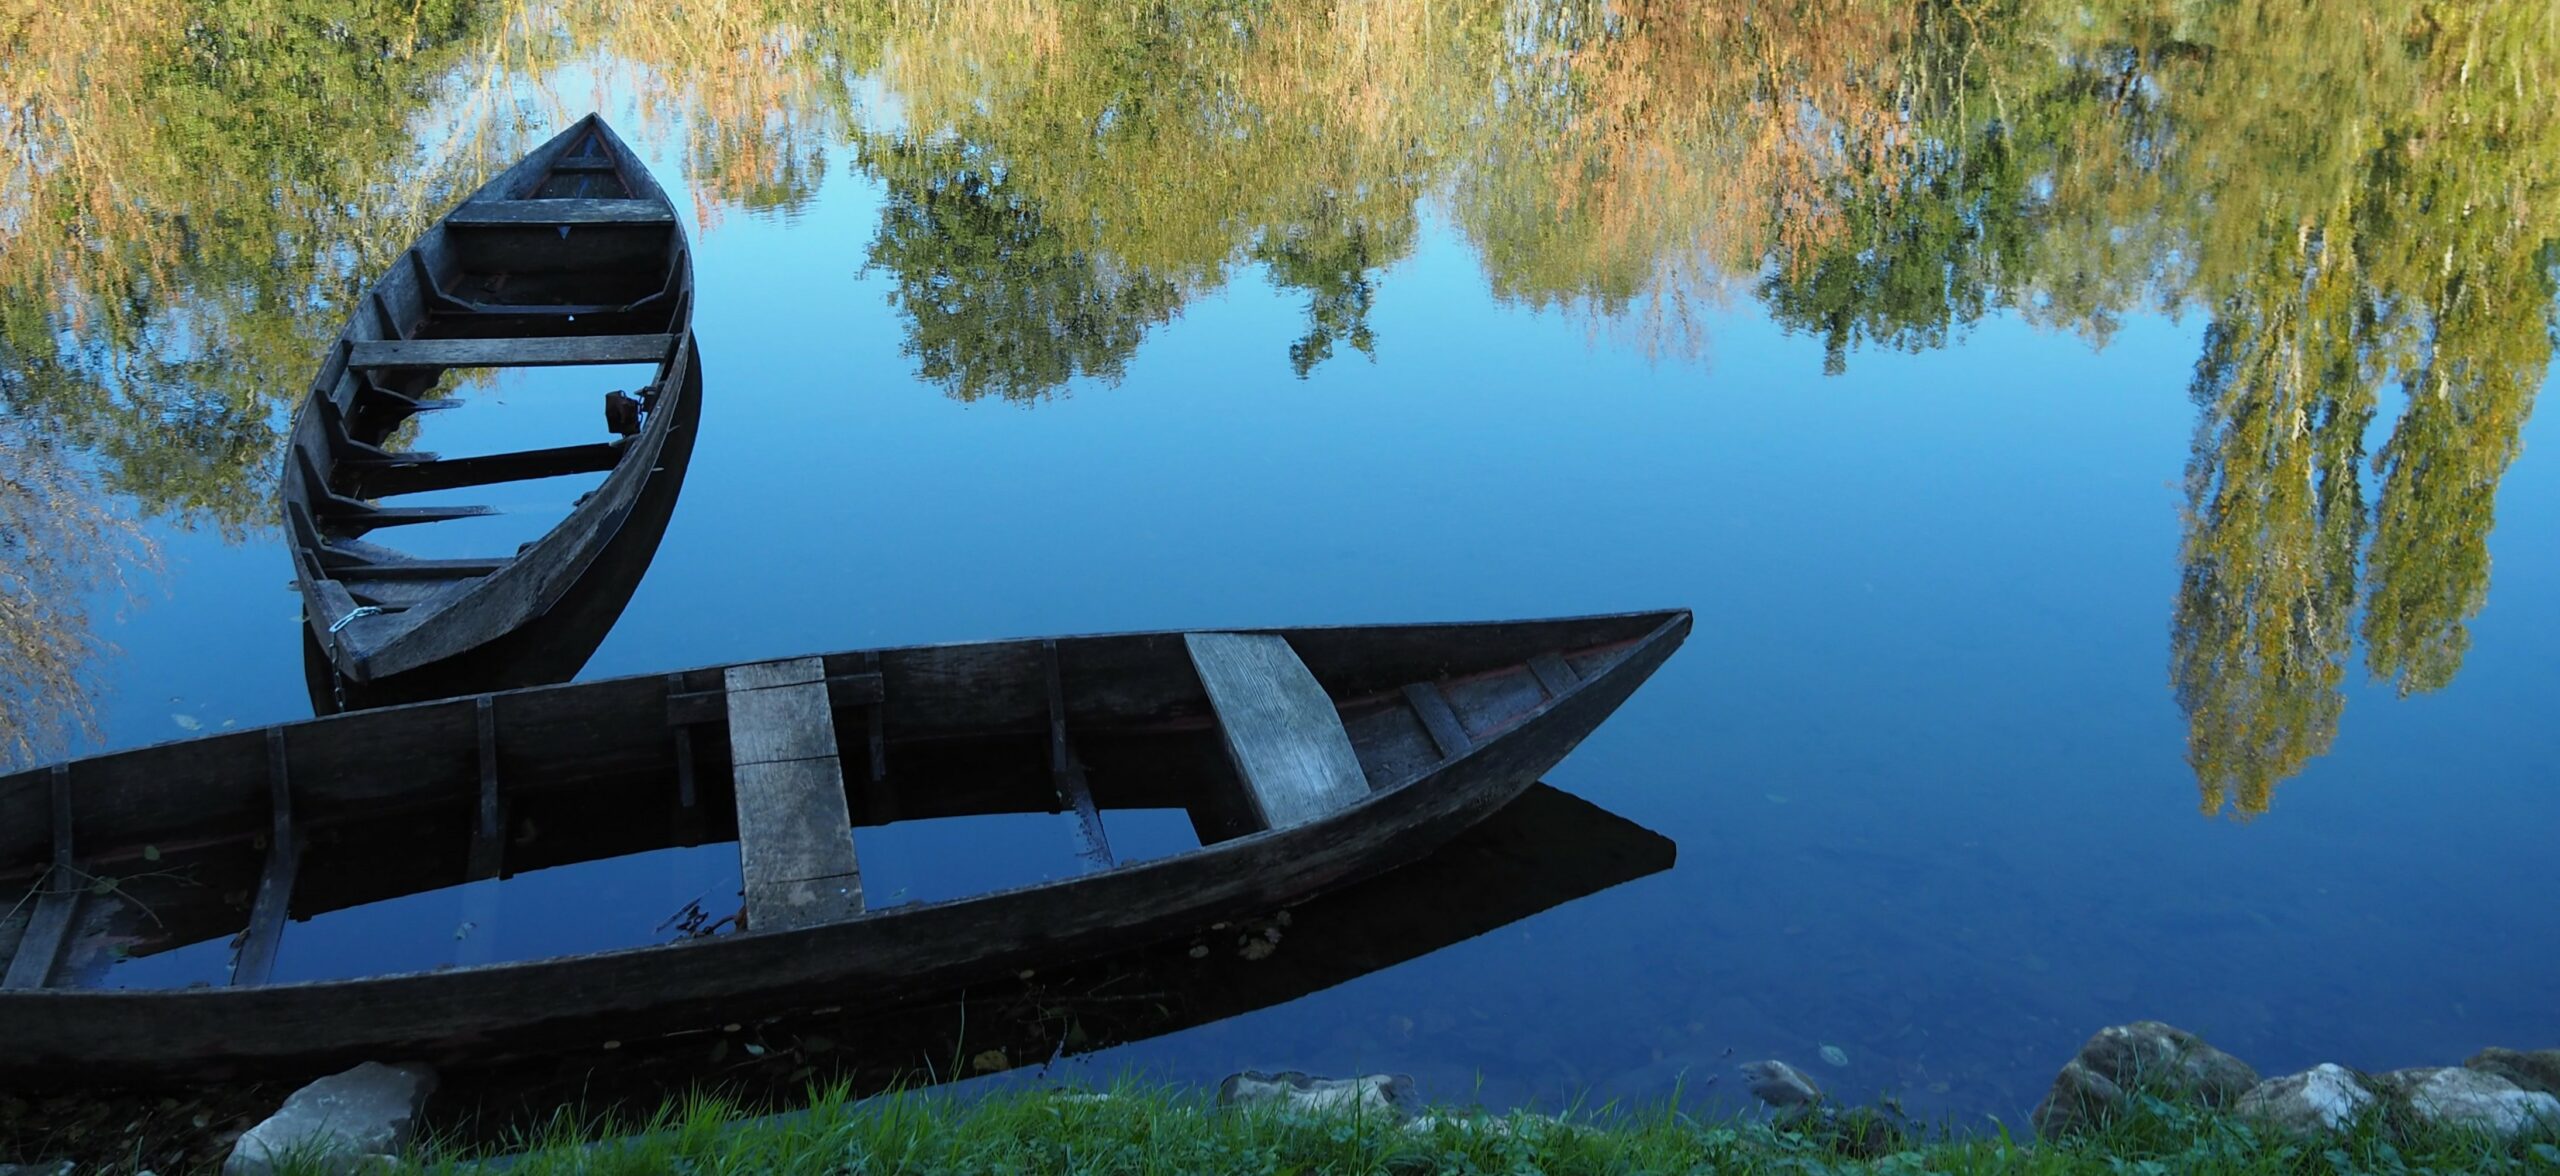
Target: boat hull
(477, 1014)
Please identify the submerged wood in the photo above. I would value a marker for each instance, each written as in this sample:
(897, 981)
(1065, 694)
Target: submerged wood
(572, 256)
(391, 799)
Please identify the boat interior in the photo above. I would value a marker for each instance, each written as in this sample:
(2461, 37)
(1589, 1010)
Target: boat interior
(575, 241)
(572, 258)
(223, 840)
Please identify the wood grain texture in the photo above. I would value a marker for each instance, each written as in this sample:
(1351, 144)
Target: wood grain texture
(416, 569)
(1279, 725)
(779, 711)
(356, 519)
(1553, 674)
(47, 930)
(49, 927)
(712, 706)
(787, 672)
(795, 832)
(472, 353)
(418, 477)
(795, 845)
(1066, 773)
(257, 958)
(1432, 707)
(561, 212)
(488, 831)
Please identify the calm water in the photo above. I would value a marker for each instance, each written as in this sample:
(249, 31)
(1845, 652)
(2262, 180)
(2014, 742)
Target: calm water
(2099, 453)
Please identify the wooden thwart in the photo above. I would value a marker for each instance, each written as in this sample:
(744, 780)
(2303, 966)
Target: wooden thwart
(795, 832)
(488, 833)
(50, 926)
(257, 958)
(1280, 727)
(686, 707)
(1066, 772)
(356, 519)
(1552, 673)
(541, 352)
(1432, 707)
(414, 569)
(488, 213)
(452, 473)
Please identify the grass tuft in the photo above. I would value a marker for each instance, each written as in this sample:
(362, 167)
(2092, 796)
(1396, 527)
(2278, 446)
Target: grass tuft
(1135, 1128)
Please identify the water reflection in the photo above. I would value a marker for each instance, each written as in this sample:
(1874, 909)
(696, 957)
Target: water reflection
(2363, 211)
(556, 645)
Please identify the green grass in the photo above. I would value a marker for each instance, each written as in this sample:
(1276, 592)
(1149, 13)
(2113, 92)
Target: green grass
(1138, 1129)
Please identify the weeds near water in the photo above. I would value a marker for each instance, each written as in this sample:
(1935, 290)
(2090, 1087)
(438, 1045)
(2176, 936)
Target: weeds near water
(1132, 1128)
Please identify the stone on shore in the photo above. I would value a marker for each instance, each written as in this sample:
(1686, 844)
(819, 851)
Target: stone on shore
(345, 1120)
(1780, 1085)
(2535, 1070)
(2323, 1098)
(2143, 1056)
(1290, 1090)
(2454, 1096)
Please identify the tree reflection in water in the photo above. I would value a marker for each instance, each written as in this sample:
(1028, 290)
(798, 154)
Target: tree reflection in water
(2363, 209)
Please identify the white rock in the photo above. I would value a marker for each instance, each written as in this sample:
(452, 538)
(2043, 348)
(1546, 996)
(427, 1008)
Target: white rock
(2456, 1097)
(1291, 1090)
(371, 1110)
(2325, 1097)
(1780, 1085)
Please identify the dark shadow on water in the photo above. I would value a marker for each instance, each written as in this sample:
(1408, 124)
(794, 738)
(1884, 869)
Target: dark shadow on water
(1543, 850)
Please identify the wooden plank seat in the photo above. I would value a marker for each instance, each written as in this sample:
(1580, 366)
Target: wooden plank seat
(350, 517)
(557, 351)
(341, 440)
(559, 211)
(343, 515)
(795, 830)
(414, 477)
(412, 569)
(1280, 727)
(39, 949)
(1066, 772)
(444, 304)
(267, 911)
(373, 397)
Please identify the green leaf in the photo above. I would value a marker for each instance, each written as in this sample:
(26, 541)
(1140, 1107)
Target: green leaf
(151, 853)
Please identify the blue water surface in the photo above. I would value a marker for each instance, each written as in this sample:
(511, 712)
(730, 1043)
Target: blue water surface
(1922, 757)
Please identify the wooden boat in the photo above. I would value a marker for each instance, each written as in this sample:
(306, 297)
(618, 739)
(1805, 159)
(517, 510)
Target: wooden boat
(554, 646)
(571, 257)
(1306, 759)
(1545, 849)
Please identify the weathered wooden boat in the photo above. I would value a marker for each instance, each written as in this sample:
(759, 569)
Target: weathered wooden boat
(1545, 849)
(571, 257)
(554, 646)
(1305, 758)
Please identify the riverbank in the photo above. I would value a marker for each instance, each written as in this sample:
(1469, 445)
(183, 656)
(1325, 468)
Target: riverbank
(1138, 1128)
